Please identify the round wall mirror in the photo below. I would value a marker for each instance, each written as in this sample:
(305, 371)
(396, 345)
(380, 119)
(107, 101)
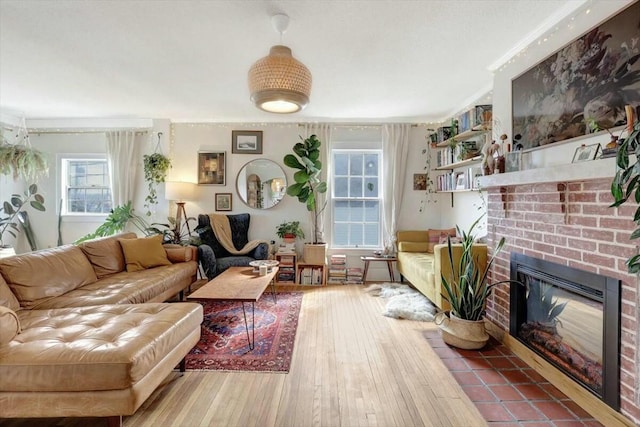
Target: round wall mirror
(261, 184)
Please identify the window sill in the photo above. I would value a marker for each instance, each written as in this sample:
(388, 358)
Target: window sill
(84, 218)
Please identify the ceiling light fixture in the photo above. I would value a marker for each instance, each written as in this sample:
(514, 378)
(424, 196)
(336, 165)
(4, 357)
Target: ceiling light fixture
(279, 83)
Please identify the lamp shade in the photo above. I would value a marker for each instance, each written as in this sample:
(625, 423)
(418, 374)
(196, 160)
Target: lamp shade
(179, 190)
(279, 83)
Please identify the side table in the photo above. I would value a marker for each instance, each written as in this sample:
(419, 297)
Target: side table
(389, 261)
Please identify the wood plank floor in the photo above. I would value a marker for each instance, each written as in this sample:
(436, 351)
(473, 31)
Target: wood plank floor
(351, 367)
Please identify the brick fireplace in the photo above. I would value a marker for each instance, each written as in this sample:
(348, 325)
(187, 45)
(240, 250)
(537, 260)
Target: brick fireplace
(570, 223)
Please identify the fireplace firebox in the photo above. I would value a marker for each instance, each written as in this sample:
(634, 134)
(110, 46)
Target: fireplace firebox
(571, 318)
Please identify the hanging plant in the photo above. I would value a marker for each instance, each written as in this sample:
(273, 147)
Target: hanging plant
(156, 166)
(20, 160)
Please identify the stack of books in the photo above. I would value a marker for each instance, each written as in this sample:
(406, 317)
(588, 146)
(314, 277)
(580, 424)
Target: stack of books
(337, 269)
(354, 276)
(311, 275)
(287, 271)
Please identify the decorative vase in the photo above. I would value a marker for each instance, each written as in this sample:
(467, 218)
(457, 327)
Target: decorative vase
(460, 333)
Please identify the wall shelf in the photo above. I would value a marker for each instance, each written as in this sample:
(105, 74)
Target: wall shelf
(583, 171)
(463, 163)
(466, 190)
(463, 136)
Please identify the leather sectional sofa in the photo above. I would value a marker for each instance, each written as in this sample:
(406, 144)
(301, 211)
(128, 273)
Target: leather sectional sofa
(422, 260)
(93, 339)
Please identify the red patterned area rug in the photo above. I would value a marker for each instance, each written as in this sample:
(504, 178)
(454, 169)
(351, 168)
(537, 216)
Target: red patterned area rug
(223, 342)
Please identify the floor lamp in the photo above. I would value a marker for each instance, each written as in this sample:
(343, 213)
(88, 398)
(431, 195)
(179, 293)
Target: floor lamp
(180, 191)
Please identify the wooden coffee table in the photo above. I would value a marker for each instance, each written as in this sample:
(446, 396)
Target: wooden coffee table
(239, 284)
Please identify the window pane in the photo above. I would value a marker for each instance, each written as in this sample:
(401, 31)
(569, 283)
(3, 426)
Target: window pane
(356, 234)
(87, 186)
(371, 187)
(357, 211)
(355, 164)
(372, 211)
(371, 234)
(355, 187)
(341, 165)
(341, 234)
(341, 187)
(371, 165)
(341, 211)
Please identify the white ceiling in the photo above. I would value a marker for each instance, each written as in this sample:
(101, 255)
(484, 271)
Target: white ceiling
(415, 61)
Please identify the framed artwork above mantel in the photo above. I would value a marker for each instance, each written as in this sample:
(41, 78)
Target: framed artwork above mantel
(583, 87)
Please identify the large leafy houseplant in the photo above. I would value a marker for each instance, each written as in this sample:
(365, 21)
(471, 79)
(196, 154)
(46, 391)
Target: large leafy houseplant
(116, 221)
(626, 184)
(13, 210)
(308, 184)
(20, 160)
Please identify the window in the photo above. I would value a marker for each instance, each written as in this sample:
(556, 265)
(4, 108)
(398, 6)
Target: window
(85, 186)
(356, 198)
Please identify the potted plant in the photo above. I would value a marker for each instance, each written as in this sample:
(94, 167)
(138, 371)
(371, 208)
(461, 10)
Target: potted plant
(12, 210)
(116, 221)
(20, 160)
(466, 290)
(308, 185)
(173, 233)
(289, 231)
(156, 166)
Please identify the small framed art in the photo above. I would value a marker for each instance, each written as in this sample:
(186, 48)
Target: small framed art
(211, 168)
(419, 181)
(223, 201)
(246, 142)
(584, 153)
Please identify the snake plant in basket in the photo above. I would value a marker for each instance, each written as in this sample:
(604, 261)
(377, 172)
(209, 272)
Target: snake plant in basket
(467, 291)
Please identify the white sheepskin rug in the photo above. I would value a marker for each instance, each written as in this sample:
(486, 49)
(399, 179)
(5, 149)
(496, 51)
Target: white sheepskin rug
(403, 302)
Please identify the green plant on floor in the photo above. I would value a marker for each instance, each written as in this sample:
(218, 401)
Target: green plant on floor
(171, 233)
(626, 185)
(468, 289)
(308, 184)
(117, 221)
(13, 211)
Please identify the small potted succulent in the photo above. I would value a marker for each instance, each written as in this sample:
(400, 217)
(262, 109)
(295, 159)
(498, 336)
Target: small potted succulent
(289, 231)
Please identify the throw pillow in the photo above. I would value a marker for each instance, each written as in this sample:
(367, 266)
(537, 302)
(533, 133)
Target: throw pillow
(9, 325)
(435, 235)
(140, 254)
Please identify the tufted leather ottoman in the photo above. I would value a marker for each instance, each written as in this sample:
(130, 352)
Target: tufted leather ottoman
(93, 361)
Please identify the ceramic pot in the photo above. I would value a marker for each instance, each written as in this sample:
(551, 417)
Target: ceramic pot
(460, 333)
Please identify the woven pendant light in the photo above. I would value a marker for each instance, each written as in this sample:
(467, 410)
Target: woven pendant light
(279, 83)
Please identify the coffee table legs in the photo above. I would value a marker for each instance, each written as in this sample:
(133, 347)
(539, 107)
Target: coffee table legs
(252, 340)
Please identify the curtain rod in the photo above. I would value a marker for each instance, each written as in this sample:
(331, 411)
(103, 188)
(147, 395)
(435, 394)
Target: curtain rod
(342, 125)
(79, 131)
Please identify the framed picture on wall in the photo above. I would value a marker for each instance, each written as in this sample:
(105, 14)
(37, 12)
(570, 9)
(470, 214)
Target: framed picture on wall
(584, 153)
(223, 201)
(246, 142)
(211, 167)
(420, 181)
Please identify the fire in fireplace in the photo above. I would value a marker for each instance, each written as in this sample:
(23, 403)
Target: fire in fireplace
(571, 318)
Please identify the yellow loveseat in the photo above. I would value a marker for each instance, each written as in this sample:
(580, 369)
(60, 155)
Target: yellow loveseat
(84, 333)
(422, 260)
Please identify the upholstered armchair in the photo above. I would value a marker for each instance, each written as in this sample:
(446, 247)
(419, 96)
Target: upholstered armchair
(214, 258)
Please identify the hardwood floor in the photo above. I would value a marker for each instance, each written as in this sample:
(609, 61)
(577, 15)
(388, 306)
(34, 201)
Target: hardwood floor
(351, 367)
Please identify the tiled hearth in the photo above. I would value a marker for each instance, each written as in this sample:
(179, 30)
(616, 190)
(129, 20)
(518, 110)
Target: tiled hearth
(507, 392)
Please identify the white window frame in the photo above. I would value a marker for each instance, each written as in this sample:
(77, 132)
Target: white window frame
(379, 198)
(61, 185)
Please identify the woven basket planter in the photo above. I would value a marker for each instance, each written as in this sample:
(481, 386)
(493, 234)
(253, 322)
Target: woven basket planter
(460, 333)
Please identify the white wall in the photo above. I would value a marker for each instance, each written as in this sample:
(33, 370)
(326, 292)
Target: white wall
(558, 153)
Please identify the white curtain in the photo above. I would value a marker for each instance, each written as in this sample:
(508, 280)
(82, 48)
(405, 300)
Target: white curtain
(395, 148)
(323, 132)
(123, 149)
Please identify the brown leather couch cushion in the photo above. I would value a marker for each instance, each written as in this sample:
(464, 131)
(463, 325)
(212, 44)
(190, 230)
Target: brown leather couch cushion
(140, 254)
(105, 254)
(107, 347)
(177, 253)
(9, 325)
(46, 274)
(7, 298)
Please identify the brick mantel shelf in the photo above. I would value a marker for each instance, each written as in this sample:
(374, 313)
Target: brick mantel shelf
(583, 171)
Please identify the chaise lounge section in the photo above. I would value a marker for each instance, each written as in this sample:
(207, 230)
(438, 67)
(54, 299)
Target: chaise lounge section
(86, 341)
